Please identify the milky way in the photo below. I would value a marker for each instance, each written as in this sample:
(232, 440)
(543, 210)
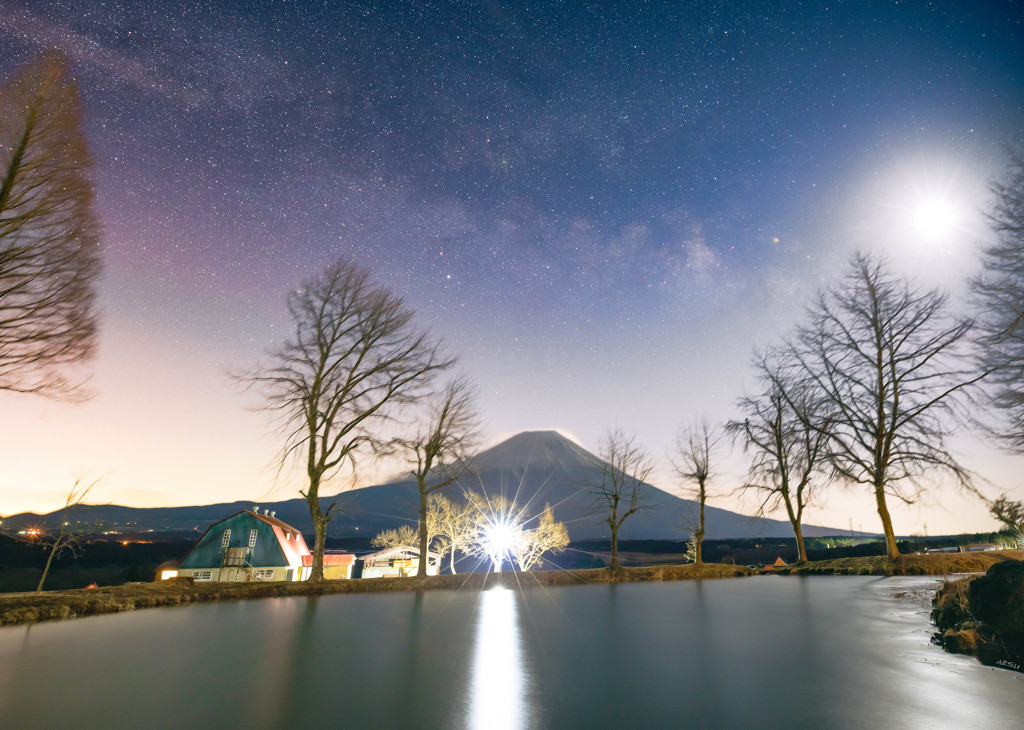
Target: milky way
(603, 209)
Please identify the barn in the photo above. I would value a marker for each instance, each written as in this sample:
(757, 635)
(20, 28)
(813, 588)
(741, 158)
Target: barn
(248, 546)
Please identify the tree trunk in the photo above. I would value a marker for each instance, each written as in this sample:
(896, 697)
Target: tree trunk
(316, 575)
(453, 560)
(700, 532)
(801, 551)
(798, 529)
(421, 569)
(615, 549)
(883, 511)
(42, 579)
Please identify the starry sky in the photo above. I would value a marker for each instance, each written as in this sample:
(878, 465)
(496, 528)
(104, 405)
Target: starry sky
(604, 208)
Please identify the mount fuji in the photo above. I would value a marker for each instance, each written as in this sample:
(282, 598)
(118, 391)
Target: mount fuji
(532, 468)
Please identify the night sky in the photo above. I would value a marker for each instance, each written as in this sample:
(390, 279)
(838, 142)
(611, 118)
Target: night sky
(602, 209)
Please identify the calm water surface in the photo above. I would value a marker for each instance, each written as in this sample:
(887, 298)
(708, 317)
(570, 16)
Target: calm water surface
(842, 652)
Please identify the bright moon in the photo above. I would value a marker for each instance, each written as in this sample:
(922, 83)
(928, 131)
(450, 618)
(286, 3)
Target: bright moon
(934, 218)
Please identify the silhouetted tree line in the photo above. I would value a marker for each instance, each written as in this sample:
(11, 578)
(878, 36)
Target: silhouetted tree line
(104, 561)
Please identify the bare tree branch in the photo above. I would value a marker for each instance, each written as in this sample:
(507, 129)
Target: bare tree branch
(625, 467)
(403, 536)
(354, 358)
(784, 430)
(67, 537)
(49, 237)
(1011, 515)
(999, 298)
(440, 450)
(888, 363)
(692, 463)
(548, 536)
(454, 523)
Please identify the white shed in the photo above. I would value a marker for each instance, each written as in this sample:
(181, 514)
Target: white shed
(397, 562)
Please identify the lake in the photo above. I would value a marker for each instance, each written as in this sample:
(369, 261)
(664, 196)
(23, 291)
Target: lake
(768, 651)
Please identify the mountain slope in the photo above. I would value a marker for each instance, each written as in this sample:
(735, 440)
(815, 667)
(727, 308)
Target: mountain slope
(539, 467)
(533, 468)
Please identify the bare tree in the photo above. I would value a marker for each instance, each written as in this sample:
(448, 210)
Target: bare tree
(1011, 515)
(440, 450)
(354, 357)
(625, 468)
(784, 430)
(437, 542)
(999, 296)
(66, 539)
(49, 237)
(454, 522)
(692, 462)
(887, 360)
(404, 536)
(548, 536)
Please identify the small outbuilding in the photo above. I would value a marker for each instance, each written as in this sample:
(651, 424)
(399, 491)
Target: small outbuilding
(337, 565)
(248, 546)
(396, 562)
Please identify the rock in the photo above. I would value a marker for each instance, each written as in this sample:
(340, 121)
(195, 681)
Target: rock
(950, 604)
(964, 641)
(998, 597)
(997, 600)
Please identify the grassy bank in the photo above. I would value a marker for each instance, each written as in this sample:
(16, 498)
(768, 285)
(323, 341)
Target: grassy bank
(17, 608)
(933, 564)
(984, 616)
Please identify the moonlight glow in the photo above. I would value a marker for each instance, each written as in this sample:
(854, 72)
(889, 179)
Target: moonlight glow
(934, 218)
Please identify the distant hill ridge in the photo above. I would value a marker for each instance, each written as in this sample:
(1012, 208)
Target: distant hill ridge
(533, 468)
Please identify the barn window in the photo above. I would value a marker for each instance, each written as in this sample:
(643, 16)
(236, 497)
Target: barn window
(264, 574)
(202, 574)
(252, 538)
(226, 539)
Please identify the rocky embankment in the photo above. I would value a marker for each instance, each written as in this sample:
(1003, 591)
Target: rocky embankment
(984, 616)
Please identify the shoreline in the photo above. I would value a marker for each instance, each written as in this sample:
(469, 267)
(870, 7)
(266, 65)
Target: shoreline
(929, 564)
(983, 616)
(22, 608)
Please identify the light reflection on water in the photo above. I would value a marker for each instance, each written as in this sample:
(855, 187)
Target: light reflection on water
(766, 652)
(498, 686)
